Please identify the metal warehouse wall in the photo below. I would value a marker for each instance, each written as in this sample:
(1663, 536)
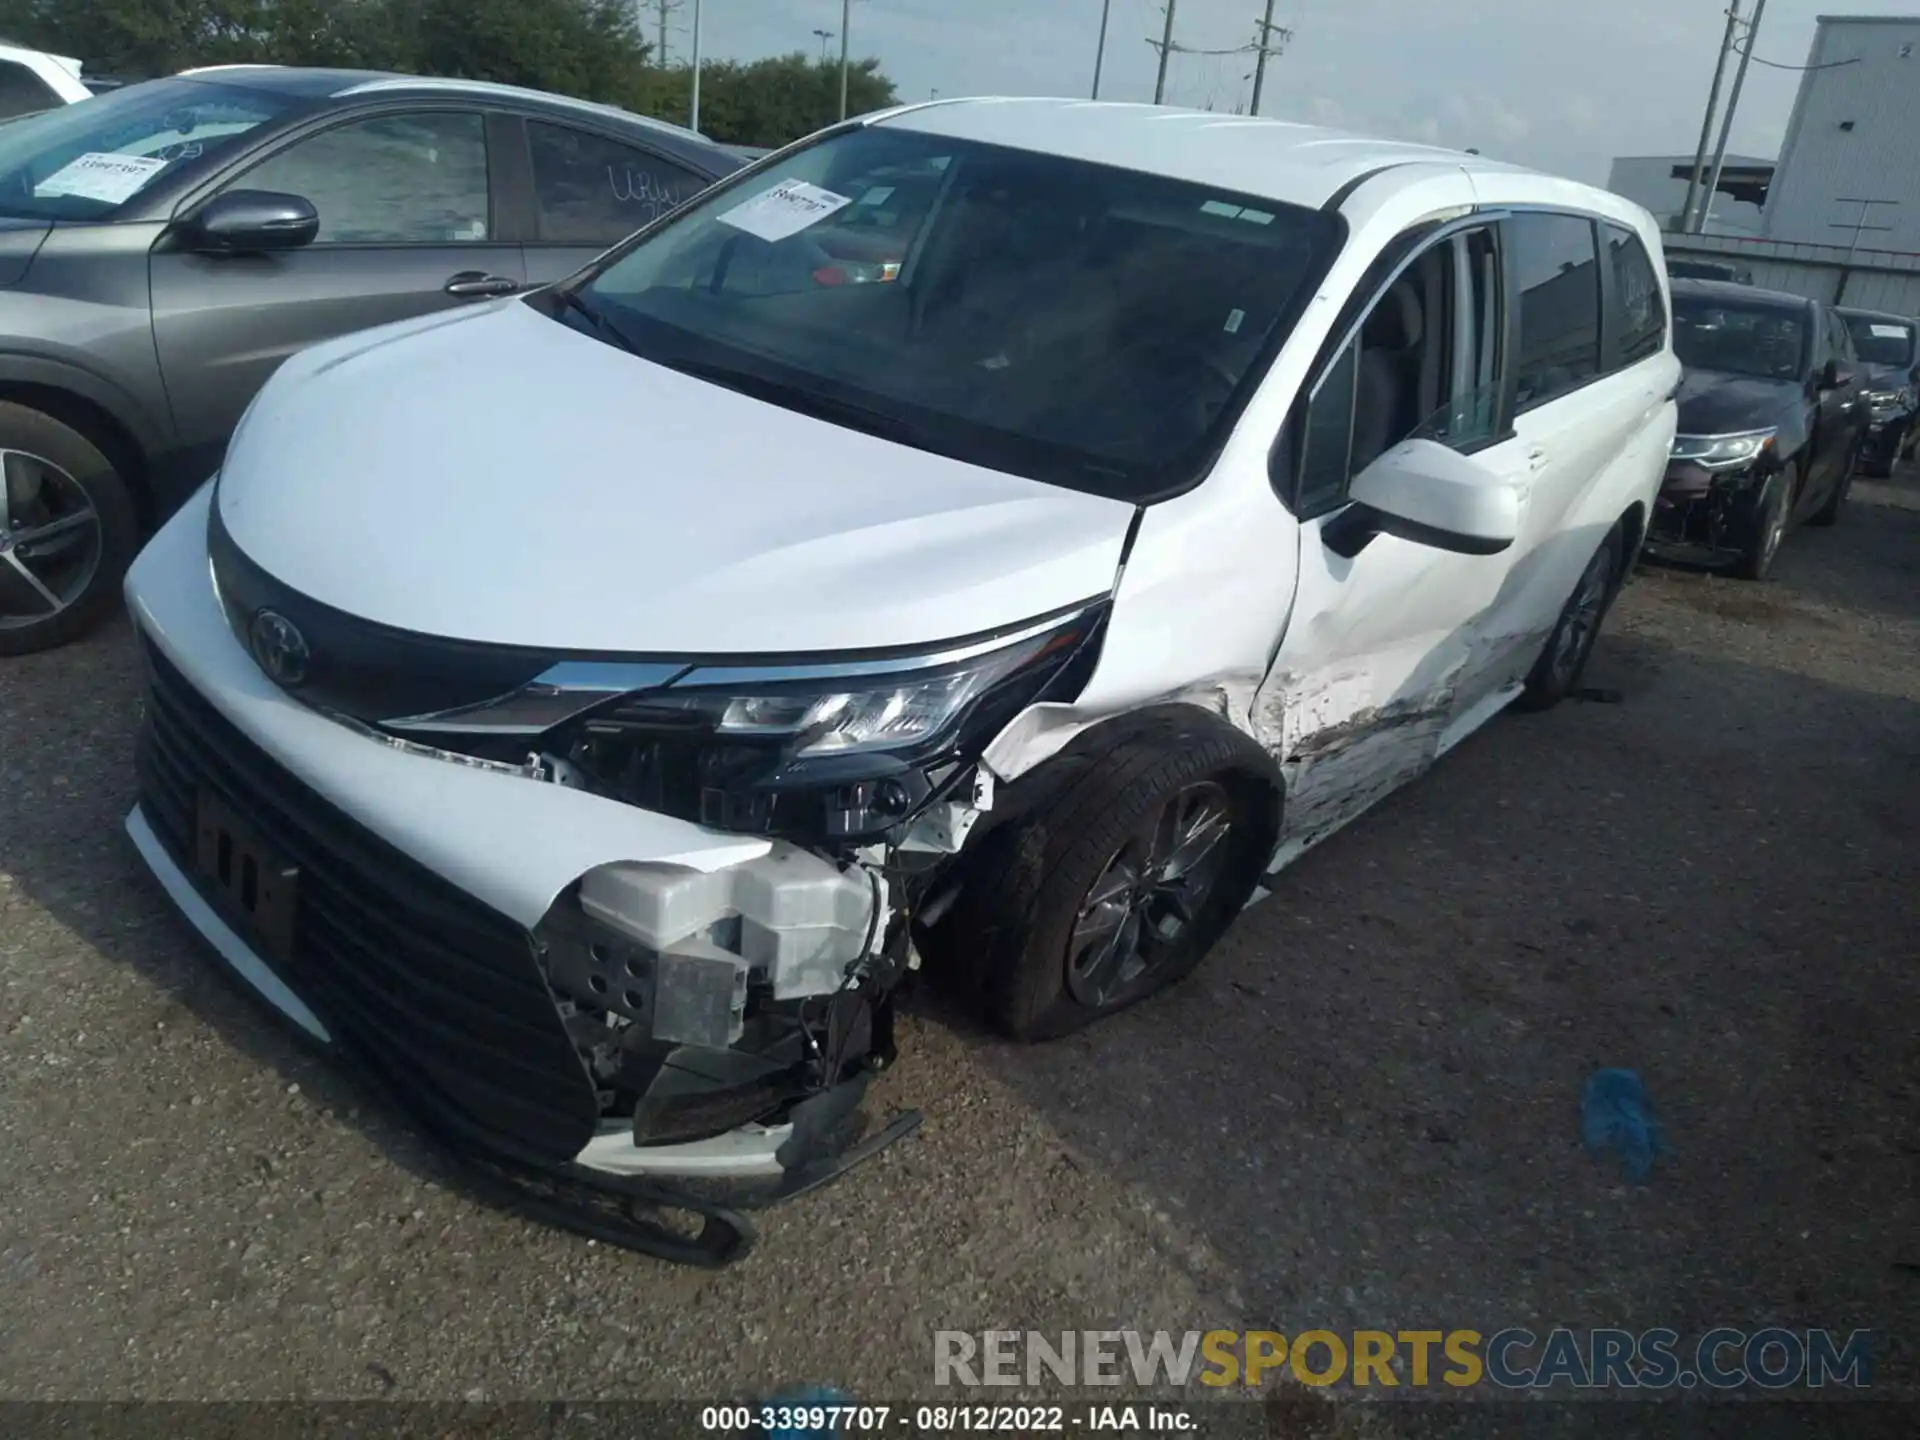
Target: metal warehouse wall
(1870, 279)
(1867, 76)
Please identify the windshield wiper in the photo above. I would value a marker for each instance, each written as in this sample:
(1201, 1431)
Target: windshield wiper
(818, 404)
(602, 323)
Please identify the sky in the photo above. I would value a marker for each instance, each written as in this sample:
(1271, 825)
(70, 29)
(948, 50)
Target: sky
(1561, 85)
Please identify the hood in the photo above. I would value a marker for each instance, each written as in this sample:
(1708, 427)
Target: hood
(1713, 402)
(20, 241)
(497, 476)
(1885, 377)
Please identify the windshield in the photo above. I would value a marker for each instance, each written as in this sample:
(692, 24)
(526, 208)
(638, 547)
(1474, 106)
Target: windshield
(86, 160)
(1067, 321)
(1766, 342)
(1881, 341)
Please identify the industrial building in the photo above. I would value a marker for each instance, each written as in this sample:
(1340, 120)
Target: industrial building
(1849, 168)
(1659, 184)
(1837, 216)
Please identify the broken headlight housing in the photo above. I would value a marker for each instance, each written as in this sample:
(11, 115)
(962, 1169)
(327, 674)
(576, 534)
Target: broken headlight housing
(823, 753)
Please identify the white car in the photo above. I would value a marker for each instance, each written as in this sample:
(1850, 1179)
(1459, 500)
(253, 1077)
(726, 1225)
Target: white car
(32, 80)
(585, 710)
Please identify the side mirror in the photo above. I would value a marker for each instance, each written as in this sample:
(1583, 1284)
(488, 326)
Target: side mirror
(1424, 492)
(1832, 377)
(249, 222)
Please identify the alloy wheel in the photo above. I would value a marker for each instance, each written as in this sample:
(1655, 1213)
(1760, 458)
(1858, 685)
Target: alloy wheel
(1777, 507)
(50, 540)
(1580, 625)
(1149, 896)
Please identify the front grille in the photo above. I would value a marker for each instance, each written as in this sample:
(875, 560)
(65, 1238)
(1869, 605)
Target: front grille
(436, 992)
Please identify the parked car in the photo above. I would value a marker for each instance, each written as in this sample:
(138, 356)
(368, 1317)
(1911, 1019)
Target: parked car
(1772, 422)
(587, 708)
(164, 246)
(1890, 362)
(1679, 269)
(32, 80)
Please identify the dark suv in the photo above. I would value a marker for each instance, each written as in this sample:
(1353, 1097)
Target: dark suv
(165, 245)
(1772, 421)
(1889, 347)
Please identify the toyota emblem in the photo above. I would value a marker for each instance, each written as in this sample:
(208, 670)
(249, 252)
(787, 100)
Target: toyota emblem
(280, 648)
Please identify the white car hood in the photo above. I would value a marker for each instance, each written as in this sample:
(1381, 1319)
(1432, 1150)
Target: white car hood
(498, 476)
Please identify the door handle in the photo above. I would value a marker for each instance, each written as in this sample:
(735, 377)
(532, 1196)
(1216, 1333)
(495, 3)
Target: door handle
(477, 284)
(1536, 459)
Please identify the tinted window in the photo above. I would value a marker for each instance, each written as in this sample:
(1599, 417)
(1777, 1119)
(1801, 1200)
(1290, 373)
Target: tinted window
(85, 161)
(392, 180)
(594, 191)
(1558, 285)
(1639, 318)
(22, 91)
(1080, 323)
(1881, 341)
(1766, 342)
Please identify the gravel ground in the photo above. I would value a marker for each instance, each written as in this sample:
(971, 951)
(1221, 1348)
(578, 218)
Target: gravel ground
(1362, 1111)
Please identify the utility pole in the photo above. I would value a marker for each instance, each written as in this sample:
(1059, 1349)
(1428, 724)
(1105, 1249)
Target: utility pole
(1100, 53)
(665, 8)
(693, 109)
(1698, 172)
(1733, 104)
(846, 16)
(1272, 40)
(1166, 53)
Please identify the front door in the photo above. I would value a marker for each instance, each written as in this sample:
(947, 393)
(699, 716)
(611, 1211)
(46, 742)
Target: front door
(1384, 650)
(406, 227)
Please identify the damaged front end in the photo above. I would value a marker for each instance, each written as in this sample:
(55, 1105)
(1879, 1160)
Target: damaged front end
(731, 1018)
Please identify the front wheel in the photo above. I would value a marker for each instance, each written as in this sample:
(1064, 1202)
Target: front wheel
(1557, 672)
(67, 532)
(1829, 511)
(1776, 506)
(1119, 883)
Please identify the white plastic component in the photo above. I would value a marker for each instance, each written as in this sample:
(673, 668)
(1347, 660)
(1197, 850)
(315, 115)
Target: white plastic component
(748, 1152)
(802, 920)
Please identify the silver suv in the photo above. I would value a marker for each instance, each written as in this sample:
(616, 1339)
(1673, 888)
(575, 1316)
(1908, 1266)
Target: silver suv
(164, 246)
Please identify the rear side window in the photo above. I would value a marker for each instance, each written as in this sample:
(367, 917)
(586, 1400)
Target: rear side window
(1557, 285)
(22, 91)
(1639, 317)
(594, 191)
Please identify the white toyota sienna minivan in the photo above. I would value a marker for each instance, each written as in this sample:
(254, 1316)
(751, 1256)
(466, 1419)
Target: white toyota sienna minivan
(1003, 532)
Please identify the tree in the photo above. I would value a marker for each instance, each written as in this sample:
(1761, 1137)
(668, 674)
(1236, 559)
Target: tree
(590, 48)
(768, 102)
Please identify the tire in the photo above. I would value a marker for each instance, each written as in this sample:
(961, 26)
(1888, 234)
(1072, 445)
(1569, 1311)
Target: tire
(1775, 518)
(1035, 888)
(1563, 659)
(67, 534)
(1829, 512)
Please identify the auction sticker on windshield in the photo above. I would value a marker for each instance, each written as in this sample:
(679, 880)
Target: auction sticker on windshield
(1889, 332)
(99, 176)
(786, 209)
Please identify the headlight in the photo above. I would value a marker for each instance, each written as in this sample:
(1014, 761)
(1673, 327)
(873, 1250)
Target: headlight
(822, 752)
(1722, 452)
(1885, 399)
(851, 716)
